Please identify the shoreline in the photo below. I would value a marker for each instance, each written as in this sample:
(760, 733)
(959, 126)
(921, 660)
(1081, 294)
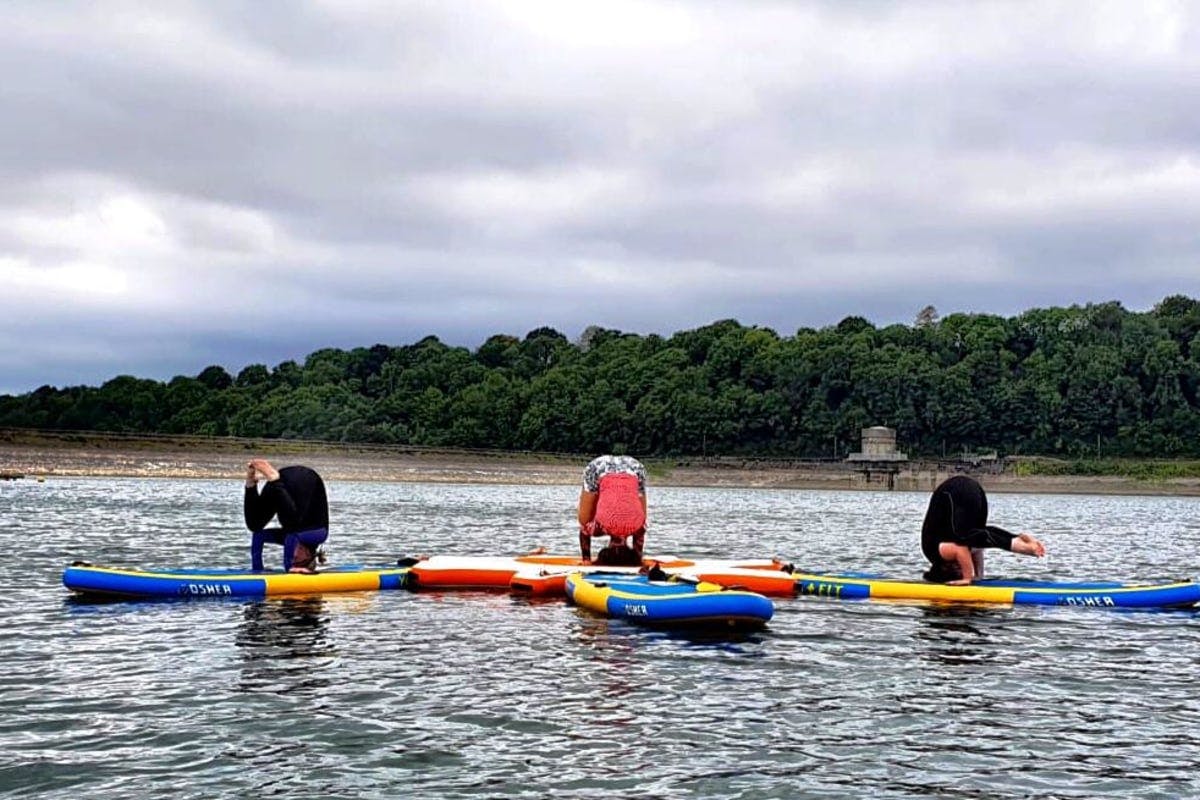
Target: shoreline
(40, 461)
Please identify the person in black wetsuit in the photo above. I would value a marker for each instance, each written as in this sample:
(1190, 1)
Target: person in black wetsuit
(296, 495)
(955, 533)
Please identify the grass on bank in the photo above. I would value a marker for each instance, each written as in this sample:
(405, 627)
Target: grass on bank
(1135, 469)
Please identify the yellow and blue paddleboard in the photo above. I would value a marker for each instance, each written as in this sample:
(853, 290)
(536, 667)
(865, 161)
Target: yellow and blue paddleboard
(97, 581)
(788, 581)
(670, 602)
(1093, 594)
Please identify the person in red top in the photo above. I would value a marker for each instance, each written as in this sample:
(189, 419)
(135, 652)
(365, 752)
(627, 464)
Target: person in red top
(613, 504)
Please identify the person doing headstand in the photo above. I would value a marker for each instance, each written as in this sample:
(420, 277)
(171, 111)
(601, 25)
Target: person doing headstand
(613, 504)
(296, 495)
(955, 533)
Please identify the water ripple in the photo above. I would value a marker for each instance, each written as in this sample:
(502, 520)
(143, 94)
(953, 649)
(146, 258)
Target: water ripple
(488, 695)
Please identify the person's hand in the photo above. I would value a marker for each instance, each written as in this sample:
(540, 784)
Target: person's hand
(958, 582)
(264, 468)
(251, 474)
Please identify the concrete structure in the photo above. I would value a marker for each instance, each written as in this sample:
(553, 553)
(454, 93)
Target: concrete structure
(878, 446)
(879, 455)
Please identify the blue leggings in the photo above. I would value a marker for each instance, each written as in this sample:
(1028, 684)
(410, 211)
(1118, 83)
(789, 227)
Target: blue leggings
(309, 539)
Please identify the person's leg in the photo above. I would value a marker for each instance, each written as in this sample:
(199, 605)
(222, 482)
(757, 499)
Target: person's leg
(289, 551)
(309, 539)
(303, 558)
(1028, 546)
(989, 536)
(257, 540)
(968, 505)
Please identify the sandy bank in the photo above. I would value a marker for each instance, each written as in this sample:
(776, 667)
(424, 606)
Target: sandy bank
(33, 461)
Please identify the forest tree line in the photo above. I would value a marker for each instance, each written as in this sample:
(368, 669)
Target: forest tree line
(1068, 382)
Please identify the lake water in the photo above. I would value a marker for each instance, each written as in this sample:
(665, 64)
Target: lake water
(478, 695)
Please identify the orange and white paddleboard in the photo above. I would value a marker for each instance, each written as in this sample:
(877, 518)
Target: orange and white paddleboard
(545, 574)
(496, 572)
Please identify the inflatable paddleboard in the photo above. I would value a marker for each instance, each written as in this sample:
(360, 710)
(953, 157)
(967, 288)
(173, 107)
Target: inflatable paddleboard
(545, 574)
(98, 581)
(856, 586)
(670, 602)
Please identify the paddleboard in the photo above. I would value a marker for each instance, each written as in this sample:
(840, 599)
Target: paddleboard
(671, 602)
(1092, 594)
(101, 581)
(545, 574)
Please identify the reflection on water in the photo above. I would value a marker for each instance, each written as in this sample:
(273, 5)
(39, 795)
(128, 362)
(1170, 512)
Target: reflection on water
(604, 634)
(961, 617)
(284, 645)
(956, 634)
(463, 695)
(82, 603)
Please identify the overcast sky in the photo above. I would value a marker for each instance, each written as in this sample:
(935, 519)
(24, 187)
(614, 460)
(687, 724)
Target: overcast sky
(185, 184)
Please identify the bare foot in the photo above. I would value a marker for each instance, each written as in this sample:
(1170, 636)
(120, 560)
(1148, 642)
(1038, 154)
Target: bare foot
(1029, 546)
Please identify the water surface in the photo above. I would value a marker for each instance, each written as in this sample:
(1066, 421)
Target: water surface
(486, 695)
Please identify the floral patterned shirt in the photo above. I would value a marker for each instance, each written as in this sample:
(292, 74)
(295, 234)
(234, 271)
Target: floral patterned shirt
(607, 465)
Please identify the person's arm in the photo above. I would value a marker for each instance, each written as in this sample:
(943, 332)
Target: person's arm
(259, 508)
(639, 539)
(961, 556)
(285, 504)
(254, 509)
(585, 545)
(586, 515)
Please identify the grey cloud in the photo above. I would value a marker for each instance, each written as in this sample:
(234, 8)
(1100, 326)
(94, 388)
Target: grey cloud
(347, 174)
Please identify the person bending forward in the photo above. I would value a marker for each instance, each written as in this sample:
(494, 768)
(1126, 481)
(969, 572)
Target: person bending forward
(613, 504)
(955, 533)
(296, 495)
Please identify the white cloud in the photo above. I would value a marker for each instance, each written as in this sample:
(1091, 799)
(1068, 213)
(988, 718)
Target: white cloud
(225, 178)
(624, 24)
(109, 224)
(520, 204)
(1083, 185)
(78, 281)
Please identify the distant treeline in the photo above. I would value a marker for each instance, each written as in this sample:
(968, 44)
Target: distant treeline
(1078, 381)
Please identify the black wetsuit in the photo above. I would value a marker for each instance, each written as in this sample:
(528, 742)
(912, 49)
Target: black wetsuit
(298, 499)
(958, 513)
